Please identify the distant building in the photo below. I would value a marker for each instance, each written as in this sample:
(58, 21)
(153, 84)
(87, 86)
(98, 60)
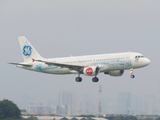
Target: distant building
(62, 109)
(53, 109)
(41, 109)
(151, 104)
(67, 101)
(32, 109)
(123, 103)
(109, 106)
(38, 109)
(67, 106)
(88, 107)
(136, 105)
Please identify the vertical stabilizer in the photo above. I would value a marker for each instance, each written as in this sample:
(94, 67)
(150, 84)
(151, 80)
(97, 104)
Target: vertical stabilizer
(28, 51)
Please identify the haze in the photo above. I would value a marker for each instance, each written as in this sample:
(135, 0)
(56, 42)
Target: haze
(63, 28)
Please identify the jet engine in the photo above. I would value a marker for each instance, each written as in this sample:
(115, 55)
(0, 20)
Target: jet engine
(115, 72)
(91, 71)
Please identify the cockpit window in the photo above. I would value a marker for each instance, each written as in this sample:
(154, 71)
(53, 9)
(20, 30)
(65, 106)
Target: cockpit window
(139, 57)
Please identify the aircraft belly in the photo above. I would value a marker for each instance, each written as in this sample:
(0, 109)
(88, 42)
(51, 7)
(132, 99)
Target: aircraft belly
(51, 69)
(57, 71)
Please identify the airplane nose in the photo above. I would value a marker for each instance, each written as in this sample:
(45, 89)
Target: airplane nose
(147, 61)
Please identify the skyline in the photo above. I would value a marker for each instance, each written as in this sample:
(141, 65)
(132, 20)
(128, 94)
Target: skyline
(127, 103)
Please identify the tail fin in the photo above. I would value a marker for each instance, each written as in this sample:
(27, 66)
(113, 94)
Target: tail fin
(28, 51)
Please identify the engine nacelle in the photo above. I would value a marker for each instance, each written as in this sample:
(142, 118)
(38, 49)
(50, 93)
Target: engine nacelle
(91, 71)
(115, 72)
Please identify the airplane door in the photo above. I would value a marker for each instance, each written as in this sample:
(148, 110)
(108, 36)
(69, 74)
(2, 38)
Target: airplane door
(128, 60)
(80, 61)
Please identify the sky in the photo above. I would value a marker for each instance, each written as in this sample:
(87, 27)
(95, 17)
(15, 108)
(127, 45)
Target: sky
(61, 28)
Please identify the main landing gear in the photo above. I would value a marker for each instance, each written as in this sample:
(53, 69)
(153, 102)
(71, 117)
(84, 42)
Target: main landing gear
(131, 71)
(95, 79)
(78, 79)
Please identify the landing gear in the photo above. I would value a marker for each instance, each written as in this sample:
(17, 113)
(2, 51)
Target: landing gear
(95, 79)
(131, 71)
(132, 76)
(78, 79)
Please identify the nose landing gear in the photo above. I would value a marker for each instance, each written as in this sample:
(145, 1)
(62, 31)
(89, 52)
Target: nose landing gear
(131, 71)
(132, 76)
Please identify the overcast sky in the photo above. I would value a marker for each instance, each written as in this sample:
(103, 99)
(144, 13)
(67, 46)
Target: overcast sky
(60, 28)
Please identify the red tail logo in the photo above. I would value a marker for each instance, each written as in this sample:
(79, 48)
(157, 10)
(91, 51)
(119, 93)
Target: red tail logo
(89, 71)
(33, 60)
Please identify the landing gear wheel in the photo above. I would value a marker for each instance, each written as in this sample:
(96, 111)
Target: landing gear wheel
(131, 71)
(132, 76)
(95, 79)
(78, 79)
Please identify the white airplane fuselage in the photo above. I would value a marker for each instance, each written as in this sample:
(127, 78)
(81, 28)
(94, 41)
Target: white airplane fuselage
(107, 62)
(90, 65)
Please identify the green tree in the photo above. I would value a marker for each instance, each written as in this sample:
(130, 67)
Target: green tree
(12, 119)
(9, 110)
(119, 117)
(132, 118)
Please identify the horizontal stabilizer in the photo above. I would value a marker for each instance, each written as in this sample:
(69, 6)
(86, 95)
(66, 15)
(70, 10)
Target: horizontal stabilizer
(27, 65)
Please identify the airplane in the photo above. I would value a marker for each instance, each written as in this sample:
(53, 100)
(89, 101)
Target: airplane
(90, 65)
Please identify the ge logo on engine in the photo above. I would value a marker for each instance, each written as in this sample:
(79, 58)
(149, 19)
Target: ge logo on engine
(89, 71)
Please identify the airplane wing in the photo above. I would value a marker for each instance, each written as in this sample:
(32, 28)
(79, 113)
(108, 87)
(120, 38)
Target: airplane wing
(72, 67)
(24, 64)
